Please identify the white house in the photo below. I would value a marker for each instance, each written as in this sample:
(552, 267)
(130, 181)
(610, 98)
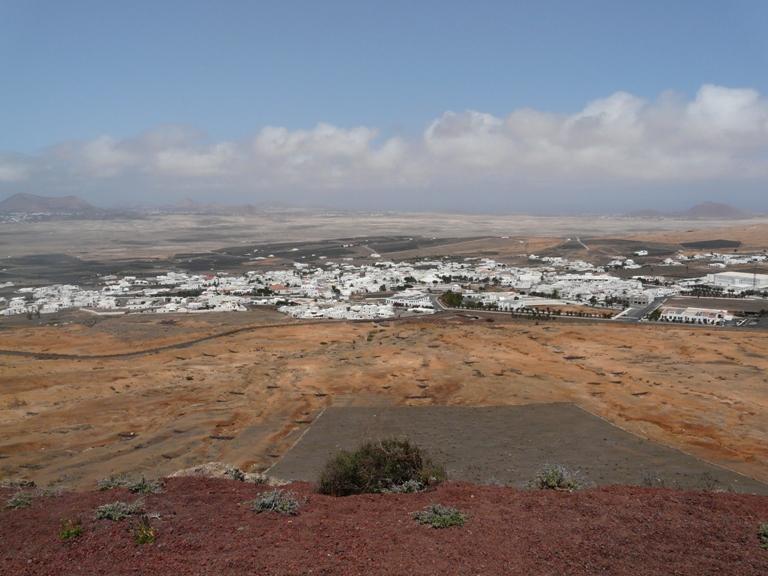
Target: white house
(695, 316)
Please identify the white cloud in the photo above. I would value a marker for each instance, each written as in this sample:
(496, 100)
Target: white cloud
(723, 111)
(212, 161)
(12, 170)
(617, 141)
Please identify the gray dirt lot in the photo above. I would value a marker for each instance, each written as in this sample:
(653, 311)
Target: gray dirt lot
(509, 444)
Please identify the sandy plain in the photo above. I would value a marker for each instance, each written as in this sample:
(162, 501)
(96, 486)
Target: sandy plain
(163, 235)
(245, 397)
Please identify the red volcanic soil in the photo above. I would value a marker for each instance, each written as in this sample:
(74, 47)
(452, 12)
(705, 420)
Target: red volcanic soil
(206, 527)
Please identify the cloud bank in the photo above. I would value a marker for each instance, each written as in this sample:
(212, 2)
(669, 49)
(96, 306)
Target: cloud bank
(621, 149)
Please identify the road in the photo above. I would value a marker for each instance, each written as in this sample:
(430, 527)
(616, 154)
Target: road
(582, 243)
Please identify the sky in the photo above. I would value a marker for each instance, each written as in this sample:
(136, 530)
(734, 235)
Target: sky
(489, 106)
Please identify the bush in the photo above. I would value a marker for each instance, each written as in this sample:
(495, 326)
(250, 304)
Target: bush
(144, 533)
(556, 477)
(16, 483)
(280, 501)
(142, 486)
(407, 487)
(19, 500)
(439, 516)
(112, 482)
(116, 511)
(762, 534)
(235, 474)
(70, 529)
(390, 465)
(145, 486)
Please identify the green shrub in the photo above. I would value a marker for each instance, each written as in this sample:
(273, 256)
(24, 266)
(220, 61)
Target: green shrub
(16, 483)
(19, 500)
(556, 477)
(112, 482)
(439, 516)
(70, 529)
(145, 486)
(280, 501)
(407, 487)
(144, 533)
(51, 492)
(142, 486)
(379, 466)
(116, 511)
(235, 474)
(762, 534)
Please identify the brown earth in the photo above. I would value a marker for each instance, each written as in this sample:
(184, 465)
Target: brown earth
(206, 527)
(245, 398)
(752, 235)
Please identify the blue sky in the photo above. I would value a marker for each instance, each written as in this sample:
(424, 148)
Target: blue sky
(74, 70)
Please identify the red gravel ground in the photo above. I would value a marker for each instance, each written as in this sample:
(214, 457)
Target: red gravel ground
(206, 527)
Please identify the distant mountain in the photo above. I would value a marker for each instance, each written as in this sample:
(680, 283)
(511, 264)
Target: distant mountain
(49, 204)
(714, 211)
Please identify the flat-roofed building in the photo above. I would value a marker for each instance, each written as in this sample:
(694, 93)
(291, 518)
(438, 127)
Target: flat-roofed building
(738, 280)
(695, 316)
(410, 299)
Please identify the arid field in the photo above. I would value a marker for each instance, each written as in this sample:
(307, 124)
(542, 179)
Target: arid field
(160, 236)
(144, 394)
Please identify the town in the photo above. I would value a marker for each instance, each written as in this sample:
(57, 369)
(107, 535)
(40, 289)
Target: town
(349, 290)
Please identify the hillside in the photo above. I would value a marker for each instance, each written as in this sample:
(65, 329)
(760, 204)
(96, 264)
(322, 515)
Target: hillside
(205, 526)
(23, 202)
(714, 211)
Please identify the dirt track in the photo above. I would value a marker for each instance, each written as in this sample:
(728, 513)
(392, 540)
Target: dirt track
(205, 527)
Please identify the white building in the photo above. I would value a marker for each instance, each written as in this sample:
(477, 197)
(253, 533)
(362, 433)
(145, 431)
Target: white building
(695, 316)
(410, 299)
(738, 280)
(641, 299)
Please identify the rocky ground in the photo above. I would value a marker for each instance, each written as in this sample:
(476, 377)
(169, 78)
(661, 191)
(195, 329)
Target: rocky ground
(205, 526)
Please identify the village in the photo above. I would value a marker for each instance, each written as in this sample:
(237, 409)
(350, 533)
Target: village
(347, 290)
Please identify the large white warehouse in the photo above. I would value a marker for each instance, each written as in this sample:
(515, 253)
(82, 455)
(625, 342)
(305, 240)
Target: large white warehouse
(738, 280)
